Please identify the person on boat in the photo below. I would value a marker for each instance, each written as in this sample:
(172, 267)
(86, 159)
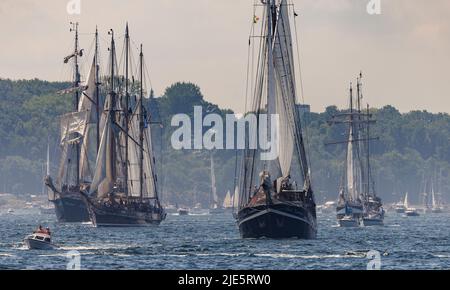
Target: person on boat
(39, 230)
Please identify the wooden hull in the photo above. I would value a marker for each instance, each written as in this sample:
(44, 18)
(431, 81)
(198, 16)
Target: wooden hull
(106, 216)
(277, 222)
(70, 208)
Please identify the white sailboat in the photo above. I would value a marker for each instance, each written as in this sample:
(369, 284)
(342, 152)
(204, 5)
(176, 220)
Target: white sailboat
(409, 211)
(400, 206)
(215, 207)
(436, 206)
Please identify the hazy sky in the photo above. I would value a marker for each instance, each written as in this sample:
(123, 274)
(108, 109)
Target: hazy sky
(404, 52)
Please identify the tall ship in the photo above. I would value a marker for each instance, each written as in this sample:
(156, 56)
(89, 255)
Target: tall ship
(358, 203)
(124, 190)
(78, 142)
(276, 199)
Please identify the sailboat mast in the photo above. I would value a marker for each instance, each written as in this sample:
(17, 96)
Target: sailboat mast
(270, 68)
(97, 90)
(48, 159)
(127, 102)
(76, 96)
(113, 100)
(141, 124)
(368, 151)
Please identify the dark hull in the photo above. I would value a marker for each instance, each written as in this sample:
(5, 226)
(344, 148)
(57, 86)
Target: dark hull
(102, 216)
(71, 209)
(277, 221)
(412, 213)
(373, 222)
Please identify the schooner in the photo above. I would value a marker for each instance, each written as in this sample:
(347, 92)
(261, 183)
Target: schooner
(124, 189)
(78, 141)
(358, 203)
(276, 199)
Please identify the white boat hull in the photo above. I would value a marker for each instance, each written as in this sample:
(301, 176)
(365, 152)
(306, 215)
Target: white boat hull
(33, 244)
(348, 223)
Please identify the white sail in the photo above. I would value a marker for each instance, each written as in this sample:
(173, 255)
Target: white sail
(149, 173)
(134, 157)
(215, 201)
(433, 198)
(227, 202)
(285, 89)
(87, 105)
(103, 180)
(405, 203)
(236, 197)
(352, 191)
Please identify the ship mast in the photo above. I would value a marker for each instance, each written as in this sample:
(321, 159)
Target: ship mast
(97, 89)
(127, 102)
(113, 100)
(141, 125)
(76, 85)
(368, 152)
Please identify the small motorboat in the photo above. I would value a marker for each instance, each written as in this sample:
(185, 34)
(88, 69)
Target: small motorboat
(349, 222)
(40, 240)
(183, 211)
(10, 211)
(436, 210)
(411, 212)
(373, 221)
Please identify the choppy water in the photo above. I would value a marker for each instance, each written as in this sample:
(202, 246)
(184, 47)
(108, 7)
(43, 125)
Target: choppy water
(213, 242)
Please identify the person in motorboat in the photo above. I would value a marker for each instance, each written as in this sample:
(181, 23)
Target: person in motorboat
(40, 239)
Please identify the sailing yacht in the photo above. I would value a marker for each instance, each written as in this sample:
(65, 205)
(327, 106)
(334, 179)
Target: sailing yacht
(77, 142)
(400, 206)
(436, 206)
(124, 189)
(409, 211)
(215, 207)
(276, 199)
